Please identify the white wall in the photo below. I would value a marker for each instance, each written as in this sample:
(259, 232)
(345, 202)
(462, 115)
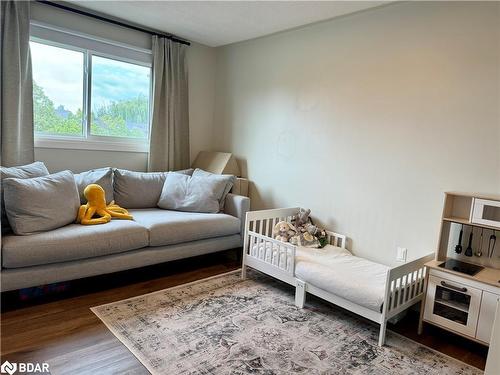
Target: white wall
(367, 119)
(201, 62)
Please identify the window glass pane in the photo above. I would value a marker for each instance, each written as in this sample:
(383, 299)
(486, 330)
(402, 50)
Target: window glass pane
(119, 99)
(57, 90)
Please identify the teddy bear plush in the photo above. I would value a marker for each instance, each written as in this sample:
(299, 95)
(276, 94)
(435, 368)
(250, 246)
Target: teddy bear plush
(301, 218)
(283, 231)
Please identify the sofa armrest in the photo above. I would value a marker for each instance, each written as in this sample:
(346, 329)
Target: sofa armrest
(237, 206)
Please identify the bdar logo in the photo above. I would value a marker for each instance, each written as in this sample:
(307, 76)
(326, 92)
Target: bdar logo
(8, 368)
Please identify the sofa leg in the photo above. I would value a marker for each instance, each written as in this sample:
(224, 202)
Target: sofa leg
(381, 336)
(300, 294)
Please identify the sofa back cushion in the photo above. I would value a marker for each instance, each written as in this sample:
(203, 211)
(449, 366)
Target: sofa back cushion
(228, 178)
(35, 169)
(101, 176)
(42, 203)
(192, 193)
(139, 189)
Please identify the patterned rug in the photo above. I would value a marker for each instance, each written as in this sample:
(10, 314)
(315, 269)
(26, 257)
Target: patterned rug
(223, 325)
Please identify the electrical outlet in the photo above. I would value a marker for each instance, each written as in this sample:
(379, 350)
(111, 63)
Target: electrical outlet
(401, 255)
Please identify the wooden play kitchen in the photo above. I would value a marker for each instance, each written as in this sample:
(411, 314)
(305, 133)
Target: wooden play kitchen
(463, 281)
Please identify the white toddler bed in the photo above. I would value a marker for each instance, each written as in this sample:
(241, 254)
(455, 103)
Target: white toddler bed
(370, 289)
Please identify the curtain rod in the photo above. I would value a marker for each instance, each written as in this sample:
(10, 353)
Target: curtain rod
(114, 22)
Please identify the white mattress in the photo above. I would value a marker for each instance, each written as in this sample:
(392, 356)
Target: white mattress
(337, 271)
(334, 270)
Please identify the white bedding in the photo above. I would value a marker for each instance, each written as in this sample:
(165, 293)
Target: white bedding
(337, 271)
(334, 270)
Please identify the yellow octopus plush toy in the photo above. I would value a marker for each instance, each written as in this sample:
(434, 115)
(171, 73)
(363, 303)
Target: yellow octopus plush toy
(96, 205)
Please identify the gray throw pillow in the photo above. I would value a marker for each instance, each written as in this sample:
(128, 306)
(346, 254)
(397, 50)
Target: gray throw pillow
(101, 176)
(228, 178)
(191, 193)
(139, 189)
(188, 171)
(35, 169)
(41, 203)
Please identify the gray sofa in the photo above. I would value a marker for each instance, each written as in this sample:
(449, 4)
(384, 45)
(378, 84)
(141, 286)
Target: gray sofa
(156, 235)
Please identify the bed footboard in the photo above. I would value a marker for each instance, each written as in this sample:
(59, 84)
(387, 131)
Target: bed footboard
(261, 251)
(405, 286)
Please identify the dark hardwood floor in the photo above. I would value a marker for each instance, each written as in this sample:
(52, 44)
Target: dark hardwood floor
(443, 341)
(60, 329)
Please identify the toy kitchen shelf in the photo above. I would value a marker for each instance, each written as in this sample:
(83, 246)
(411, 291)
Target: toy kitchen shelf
(463, 281)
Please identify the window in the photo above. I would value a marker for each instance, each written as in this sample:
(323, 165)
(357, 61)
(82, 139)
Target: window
(87, 99)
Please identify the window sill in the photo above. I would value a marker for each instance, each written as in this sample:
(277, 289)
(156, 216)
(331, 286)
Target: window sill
(86, 144)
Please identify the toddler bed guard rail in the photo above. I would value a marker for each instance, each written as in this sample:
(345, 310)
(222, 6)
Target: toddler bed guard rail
(404, 285)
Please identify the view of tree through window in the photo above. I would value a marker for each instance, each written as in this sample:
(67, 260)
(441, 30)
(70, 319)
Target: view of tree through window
(119, 94)
(57, 90)
(120, 98)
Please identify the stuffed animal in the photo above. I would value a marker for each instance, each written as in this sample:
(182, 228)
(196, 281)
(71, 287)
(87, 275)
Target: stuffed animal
(283, 231)
(309, 235)
(301, 218)
(310, 228)
(96, 205)
(305, 240)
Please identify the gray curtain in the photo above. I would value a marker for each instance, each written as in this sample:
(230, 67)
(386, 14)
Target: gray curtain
(16, 84)
(169, 144)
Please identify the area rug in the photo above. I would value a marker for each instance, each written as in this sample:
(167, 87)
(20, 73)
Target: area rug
(224, 325)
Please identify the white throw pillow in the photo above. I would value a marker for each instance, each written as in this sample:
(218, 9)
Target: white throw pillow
(191, 193)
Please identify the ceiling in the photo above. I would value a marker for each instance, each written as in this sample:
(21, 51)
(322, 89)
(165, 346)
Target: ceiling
(216, 23)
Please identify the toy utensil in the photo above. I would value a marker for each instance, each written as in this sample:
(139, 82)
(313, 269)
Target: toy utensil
(491, 244)
(468, 251)
(479, 251)
(458, 248)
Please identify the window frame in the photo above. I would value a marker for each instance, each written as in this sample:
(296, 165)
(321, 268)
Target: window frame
(87, 141)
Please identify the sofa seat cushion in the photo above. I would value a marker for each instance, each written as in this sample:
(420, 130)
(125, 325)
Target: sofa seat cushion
(172, 227)
(73, 242)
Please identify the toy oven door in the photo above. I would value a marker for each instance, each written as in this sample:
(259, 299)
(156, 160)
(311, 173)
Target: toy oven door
(486, 212)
